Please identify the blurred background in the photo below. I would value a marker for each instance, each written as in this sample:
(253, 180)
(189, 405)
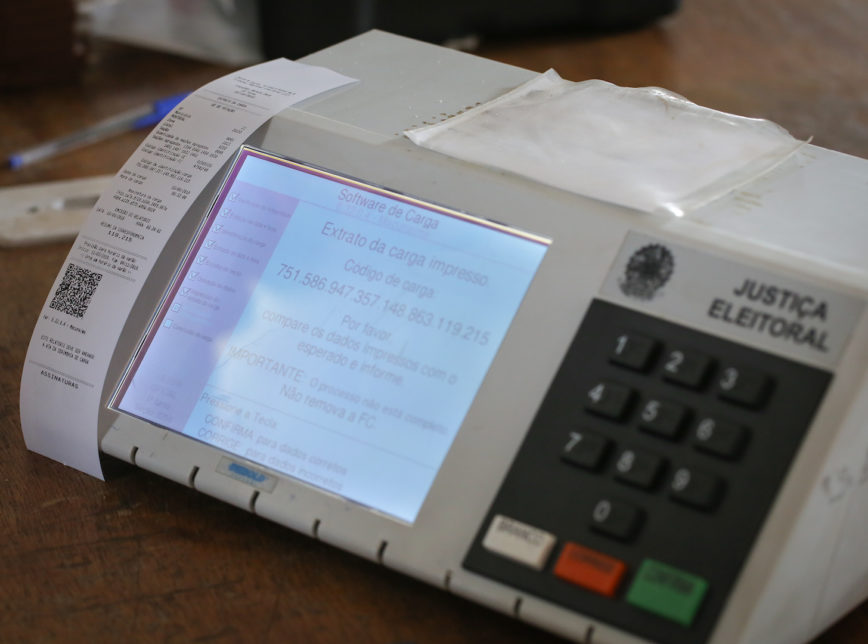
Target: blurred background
(48, 40)
(65, 64)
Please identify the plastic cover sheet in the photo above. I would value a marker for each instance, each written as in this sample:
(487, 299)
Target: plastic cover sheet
(645, 148)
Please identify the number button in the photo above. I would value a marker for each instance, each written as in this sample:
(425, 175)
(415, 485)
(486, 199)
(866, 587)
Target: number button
(585, 449)
(638, 468)
(743, 386)
(616, 519)
(686, 368)
(633, 351)
(696, 489)
(719, 437)
(608, 399)
(663, 418)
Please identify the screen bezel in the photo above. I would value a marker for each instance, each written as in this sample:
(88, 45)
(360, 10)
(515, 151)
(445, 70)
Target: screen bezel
(161, 308)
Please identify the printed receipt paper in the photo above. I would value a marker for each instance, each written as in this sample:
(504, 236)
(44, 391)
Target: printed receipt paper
(81, 321)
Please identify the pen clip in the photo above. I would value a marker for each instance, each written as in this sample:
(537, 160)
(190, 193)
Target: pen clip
(160, 109)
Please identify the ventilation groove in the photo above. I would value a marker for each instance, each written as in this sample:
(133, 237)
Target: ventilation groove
(516, 608)
(253, 498)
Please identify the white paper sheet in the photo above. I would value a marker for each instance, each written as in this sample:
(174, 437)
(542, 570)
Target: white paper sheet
(72, 344)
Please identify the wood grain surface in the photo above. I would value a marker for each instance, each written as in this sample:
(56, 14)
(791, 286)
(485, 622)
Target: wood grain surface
(140, 558)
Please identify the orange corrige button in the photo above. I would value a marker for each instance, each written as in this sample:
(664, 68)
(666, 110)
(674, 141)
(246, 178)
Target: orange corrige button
(590, 569)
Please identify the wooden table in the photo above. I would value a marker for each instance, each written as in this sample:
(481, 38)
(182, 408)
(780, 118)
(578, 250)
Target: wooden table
(140, 558)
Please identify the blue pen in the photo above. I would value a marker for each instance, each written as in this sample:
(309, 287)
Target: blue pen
(134, 119)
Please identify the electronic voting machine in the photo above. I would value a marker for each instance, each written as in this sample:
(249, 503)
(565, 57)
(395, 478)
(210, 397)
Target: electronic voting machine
(617, 426)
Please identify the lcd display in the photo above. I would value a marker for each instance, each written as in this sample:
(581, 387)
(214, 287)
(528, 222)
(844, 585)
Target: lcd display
(330, 330)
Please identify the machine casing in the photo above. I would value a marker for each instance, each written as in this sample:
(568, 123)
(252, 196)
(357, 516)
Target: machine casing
(805, 567)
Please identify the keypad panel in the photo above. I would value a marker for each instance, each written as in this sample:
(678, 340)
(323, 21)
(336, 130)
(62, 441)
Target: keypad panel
(651, 464)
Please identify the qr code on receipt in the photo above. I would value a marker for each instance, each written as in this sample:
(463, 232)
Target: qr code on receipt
(75, 290)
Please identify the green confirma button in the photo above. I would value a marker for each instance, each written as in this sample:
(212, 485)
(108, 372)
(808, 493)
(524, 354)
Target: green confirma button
(667, 591)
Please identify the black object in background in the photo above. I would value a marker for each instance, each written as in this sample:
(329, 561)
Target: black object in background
(294, 29)
(39, 44)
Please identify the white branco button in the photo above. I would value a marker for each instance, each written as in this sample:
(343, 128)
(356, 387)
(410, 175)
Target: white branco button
(519, 541)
